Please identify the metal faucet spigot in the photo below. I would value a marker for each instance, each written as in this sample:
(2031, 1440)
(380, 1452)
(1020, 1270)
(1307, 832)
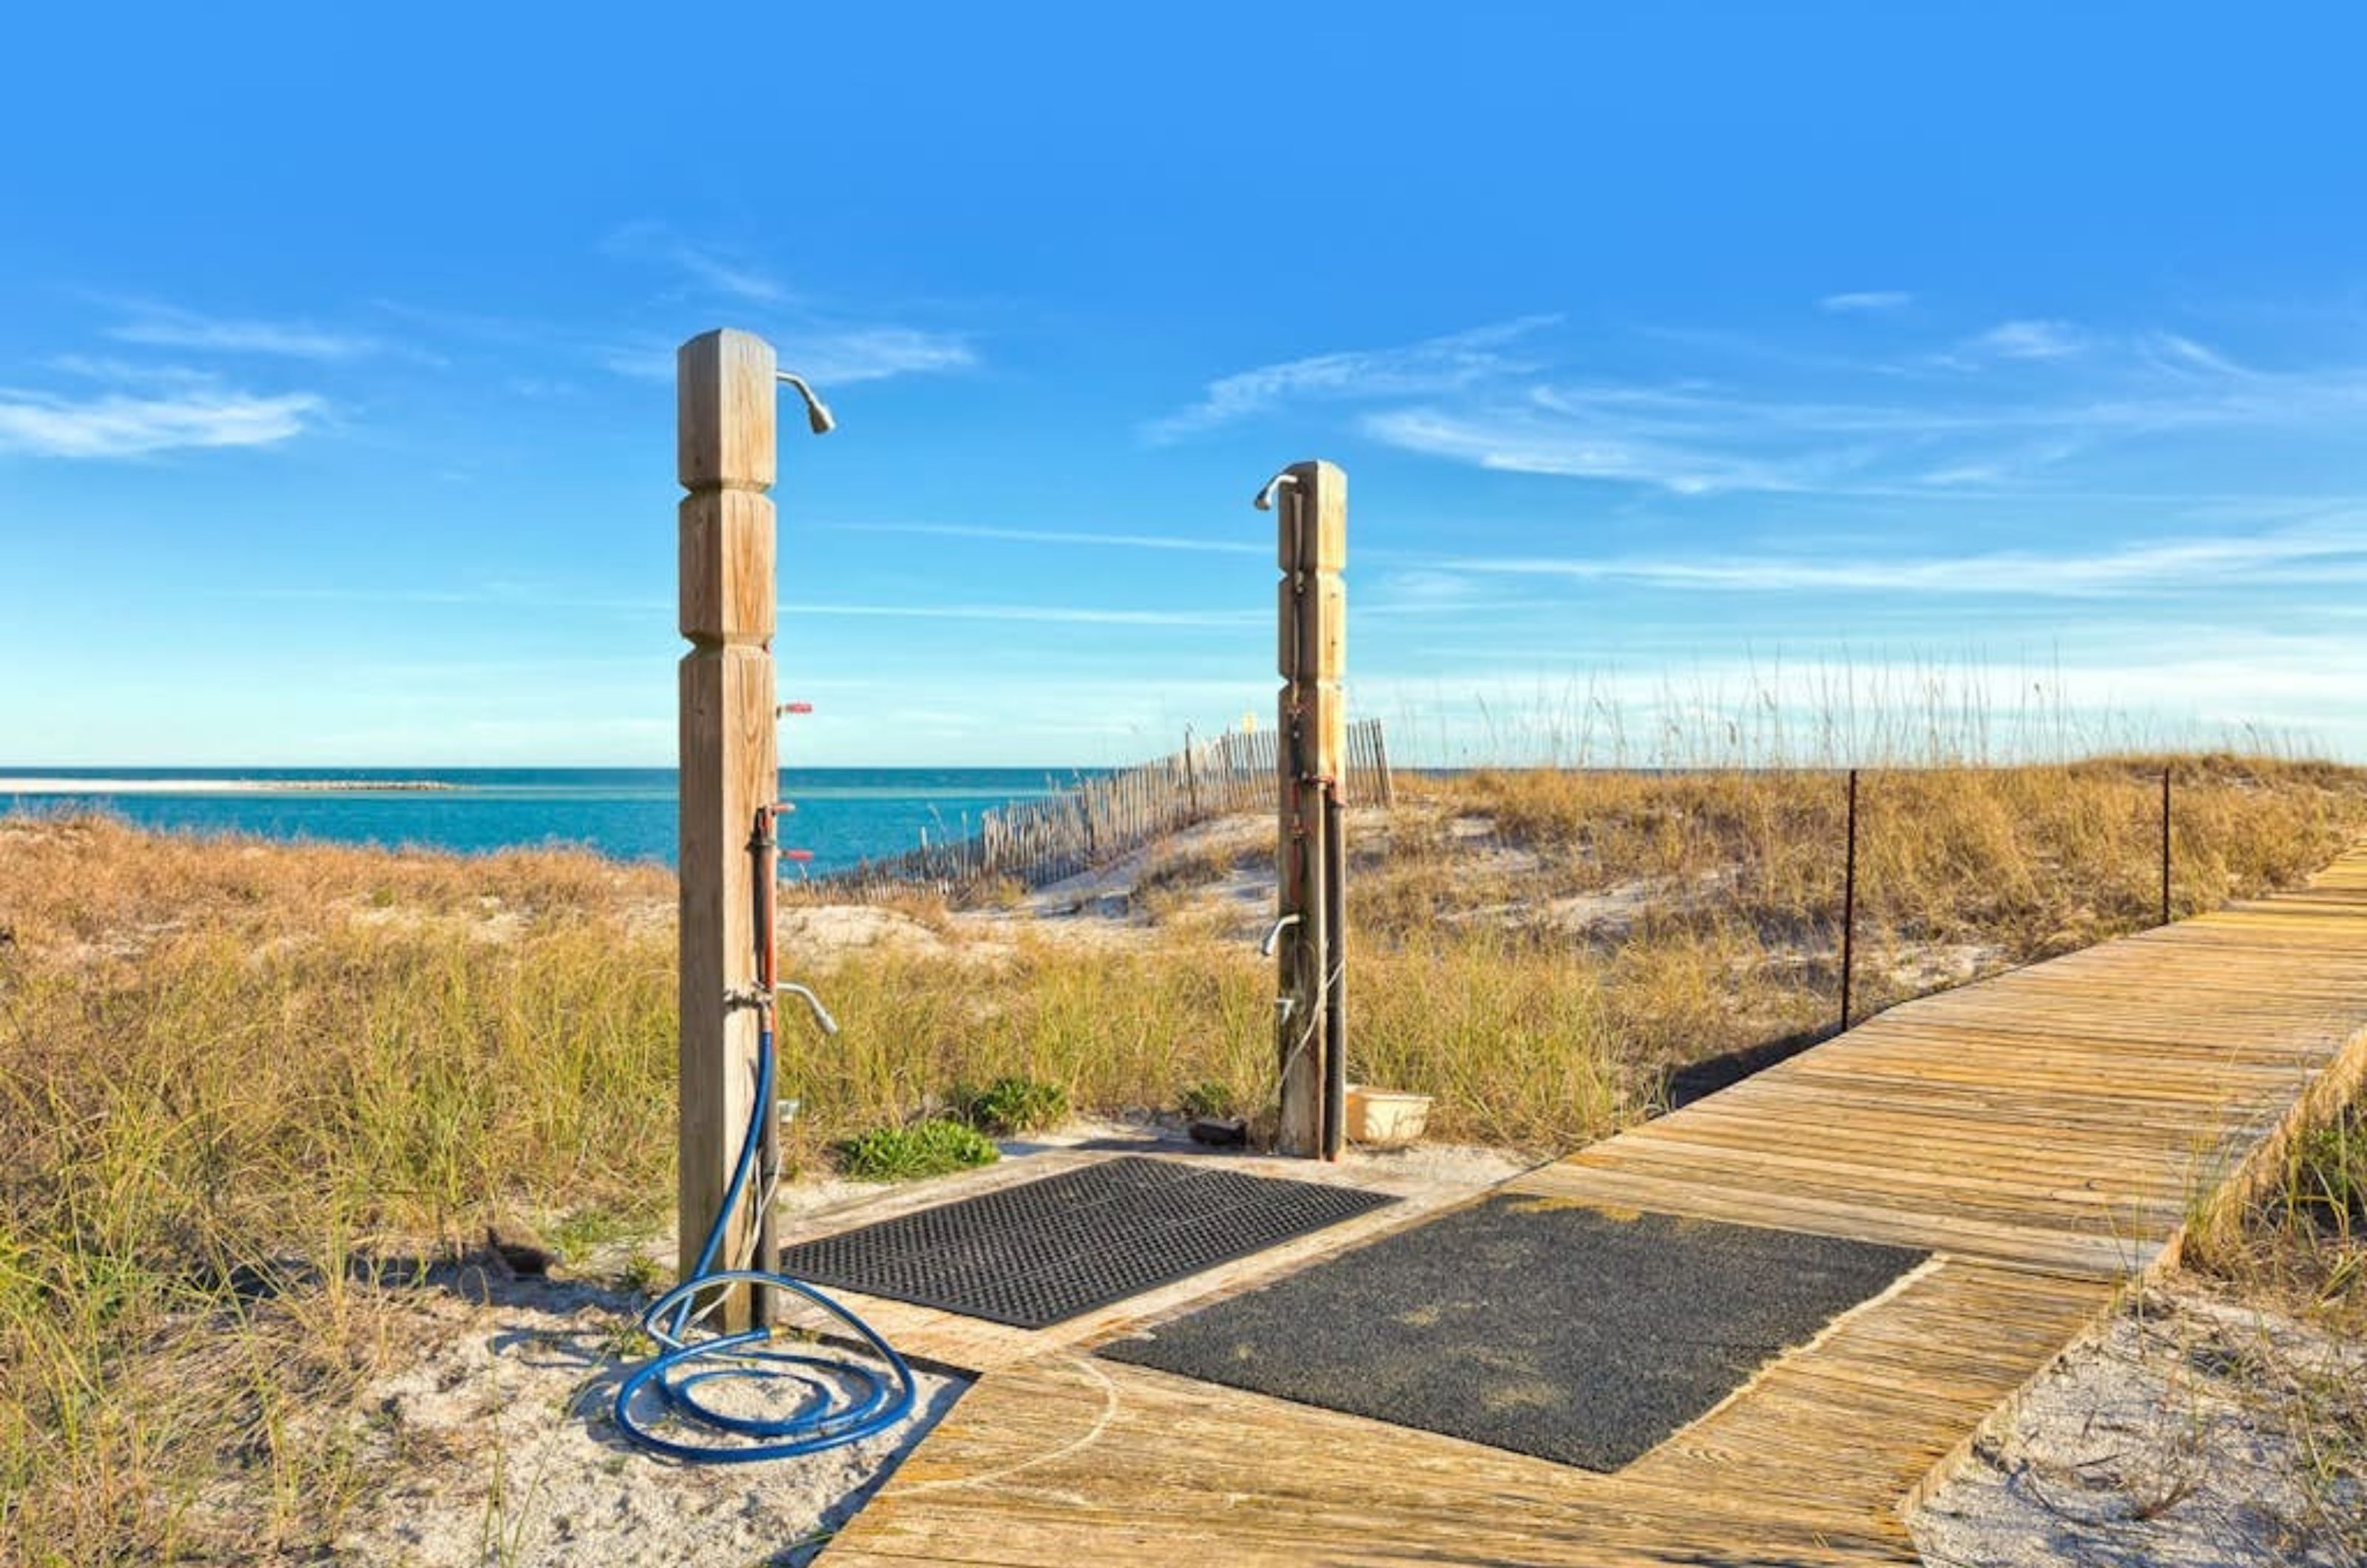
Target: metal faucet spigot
(1274, 934)
(822, 1020)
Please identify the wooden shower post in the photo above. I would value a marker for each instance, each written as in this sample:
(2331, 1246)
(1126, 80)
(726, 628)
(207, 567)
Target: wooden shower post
(724, 406)
(1312, 509)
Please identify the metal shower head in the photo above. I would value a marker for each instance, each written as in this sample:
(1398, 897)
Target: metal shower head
(1265, 501)
(819, 419)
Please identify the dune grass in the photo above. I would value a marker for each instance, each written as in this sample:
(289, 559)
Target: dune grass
(2297, 1251)
(237, 1078)
(2302, 1237)
(1540, 948)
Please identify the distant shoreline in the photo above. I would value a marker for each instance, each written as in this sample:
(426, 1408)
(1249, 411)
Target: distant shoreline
(53, 786)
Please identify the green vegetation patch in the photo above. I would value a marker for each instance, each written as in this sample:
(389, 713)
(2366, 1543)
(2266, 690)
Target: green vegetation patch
(1010, 1106)
(923, 1148)
(2325, 1181)
(2304, 1239)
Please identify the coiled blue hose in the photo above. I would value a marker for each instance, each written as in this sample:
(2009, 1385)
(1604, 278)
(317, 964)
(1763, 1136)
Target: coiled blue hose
(845, 1401)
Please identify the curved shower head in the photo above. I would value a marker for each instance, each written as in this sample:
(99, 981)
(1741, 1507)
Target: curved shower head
(1264, 500)
(819, 419)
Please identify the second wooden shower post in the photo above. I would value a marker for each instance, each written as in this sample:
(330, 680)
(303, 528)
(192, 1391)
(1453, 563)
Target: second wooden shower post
(1311, 506)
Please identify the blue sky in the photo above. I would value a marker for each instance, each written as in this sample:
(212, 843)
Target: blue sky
(1690, 364)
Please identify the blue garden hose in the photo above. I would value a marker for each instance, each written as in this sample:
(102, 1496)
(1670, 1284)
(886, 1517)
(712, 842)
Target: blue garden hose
(845, 1400)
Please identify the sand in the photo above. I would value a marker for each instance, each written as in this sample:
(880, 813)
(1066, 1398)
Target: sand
(2177, 1436)
(502, 1448)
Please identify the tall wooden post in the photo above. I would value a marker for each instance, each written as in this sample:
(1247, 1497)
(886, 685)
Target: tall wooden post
(1312, 509)
(725, 400)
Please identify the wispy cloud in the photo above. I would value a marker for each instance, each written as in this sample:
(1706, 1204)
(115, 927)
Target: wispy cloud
(1536, 437)
(831, 342)
(2183, 355)
(828, 356)
(1418, 590)
(873, 354)
(1866, 301)
(536, 596)
(119, 424)
(2029, 340)
(1929, 433)
(1065, 539)
(1491, 397)
(1452, 363)
(154, 326)
(123, 373)
(641, 358)
(707, 266)
(2336, 551)
(1053, 614)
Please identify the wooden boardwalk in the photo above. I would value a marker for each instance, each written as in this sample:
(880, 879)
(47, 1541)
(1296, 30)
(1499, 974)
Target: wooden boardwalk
(2046, 1135)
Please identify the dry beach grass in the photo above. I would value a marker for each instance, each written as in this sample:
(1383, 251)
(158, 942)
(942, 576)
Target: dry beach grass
(246, 1087)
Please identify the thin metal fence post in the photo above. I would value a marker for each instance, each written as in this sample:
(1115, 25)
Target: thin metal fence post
(1849, 904)
(2164, 843)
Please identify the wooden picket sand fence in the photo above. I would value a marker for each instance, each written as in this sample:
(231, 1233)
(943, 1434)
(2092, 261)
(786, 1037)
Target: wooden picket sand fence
(1036, 842)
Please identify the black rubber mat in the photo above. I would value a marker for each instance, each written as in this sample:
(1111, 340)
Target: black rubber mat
(1570, 1333)
(1050, 1249)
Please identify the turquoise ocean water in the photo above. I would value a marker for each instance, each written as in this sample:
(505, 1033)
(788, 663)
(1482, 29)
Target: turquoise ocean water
(844, 815)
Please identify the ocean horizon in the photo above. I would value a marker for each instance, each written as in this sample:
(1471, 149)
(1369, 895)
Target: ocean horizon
(844, 815)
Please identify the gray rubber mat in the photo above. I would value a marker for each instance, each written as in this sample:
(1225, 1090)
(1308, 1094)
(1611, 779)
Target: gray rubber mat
(1548, 1328)
(1045, 1250)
